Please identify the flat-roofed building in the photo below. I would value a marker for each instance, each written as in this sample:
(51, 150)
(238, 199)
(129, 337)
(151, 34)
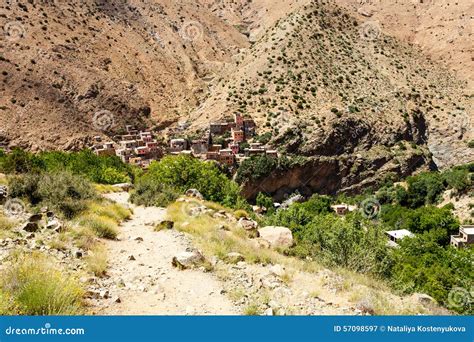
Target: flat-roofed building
(464, 238)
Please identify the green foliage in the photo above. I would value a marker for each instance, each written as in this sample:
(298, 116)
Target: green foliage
(424, 188)
(458, 179)
(420, 220)
(300, 214)
(60, 191)
(347, 242)
(422, 265)
(176, 174)
(150, 191)
(266, 202)
(105, 170)
(255, 167)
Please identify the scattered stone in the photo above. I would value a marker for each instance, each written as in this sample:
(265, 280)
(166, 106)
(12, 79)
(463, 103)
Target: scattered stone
(30, 236)
(366, 307)
(194, 193)
(277, 236)
(139, 239)
(79, 254)
(131, 258)
(117, 300)
(54, 224)
(187, 259)
(104, 294)
(31, 227)
(234, 257)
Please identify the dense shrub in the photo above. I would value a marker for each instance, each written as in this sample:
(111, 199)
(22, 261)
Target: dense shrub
(422, 265)
(176, 174)
(424, 188)
(345, 242)
(105, 170)
(423, 219)
(300, 214)
(60, 191)
(254, 168)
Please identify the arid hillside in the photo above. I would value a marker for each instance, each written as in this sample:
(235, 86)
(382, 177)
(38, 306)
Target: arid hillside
(443, 29)
(322, 79)
(129, 61)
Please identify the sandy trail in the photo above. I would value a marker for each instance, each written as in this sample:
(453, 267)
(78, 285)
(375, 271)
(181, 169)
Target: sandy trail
(149, 285)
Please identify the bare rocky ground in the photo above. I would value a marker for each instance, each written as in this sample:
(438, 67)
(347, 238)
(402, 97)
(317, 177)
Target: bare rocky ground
(141, 279)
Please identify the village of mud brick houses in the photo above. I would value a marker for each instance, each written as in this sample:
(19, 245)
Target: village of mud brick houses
(140, 148)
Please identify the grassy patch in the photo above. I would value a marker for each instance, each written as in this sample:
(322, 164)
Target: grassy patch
(35, 286)
(97, 260)
(103, 227)
(6, 225)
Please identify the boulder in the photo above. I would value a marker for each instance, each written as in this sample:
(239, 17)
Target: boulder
(194, 193)
(3, 192)
(277, 270)
(366, 307)
(277, 236)
(187, 259)
(247, 224)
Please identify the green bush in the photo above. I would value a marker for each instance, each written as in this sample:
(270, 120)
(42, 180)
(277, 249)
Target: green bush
(60, 191)
(420, 220)
(176, 174)
(105, 170)
(255, 168)
(345, 242)
(422, 265)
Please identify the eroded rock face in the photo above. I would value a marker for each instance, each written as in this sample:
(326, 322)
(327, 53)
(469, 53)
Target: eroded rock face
(277, 236)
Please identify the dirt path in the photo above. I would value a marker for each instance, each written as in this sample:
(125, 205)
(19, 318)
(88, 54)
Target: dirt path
(149, 285)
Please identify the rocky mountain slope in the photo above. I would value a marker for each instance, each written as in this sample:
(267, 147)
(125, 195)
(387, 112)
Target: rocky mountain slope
(66, 63)
(326, 81)
(443, 29)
